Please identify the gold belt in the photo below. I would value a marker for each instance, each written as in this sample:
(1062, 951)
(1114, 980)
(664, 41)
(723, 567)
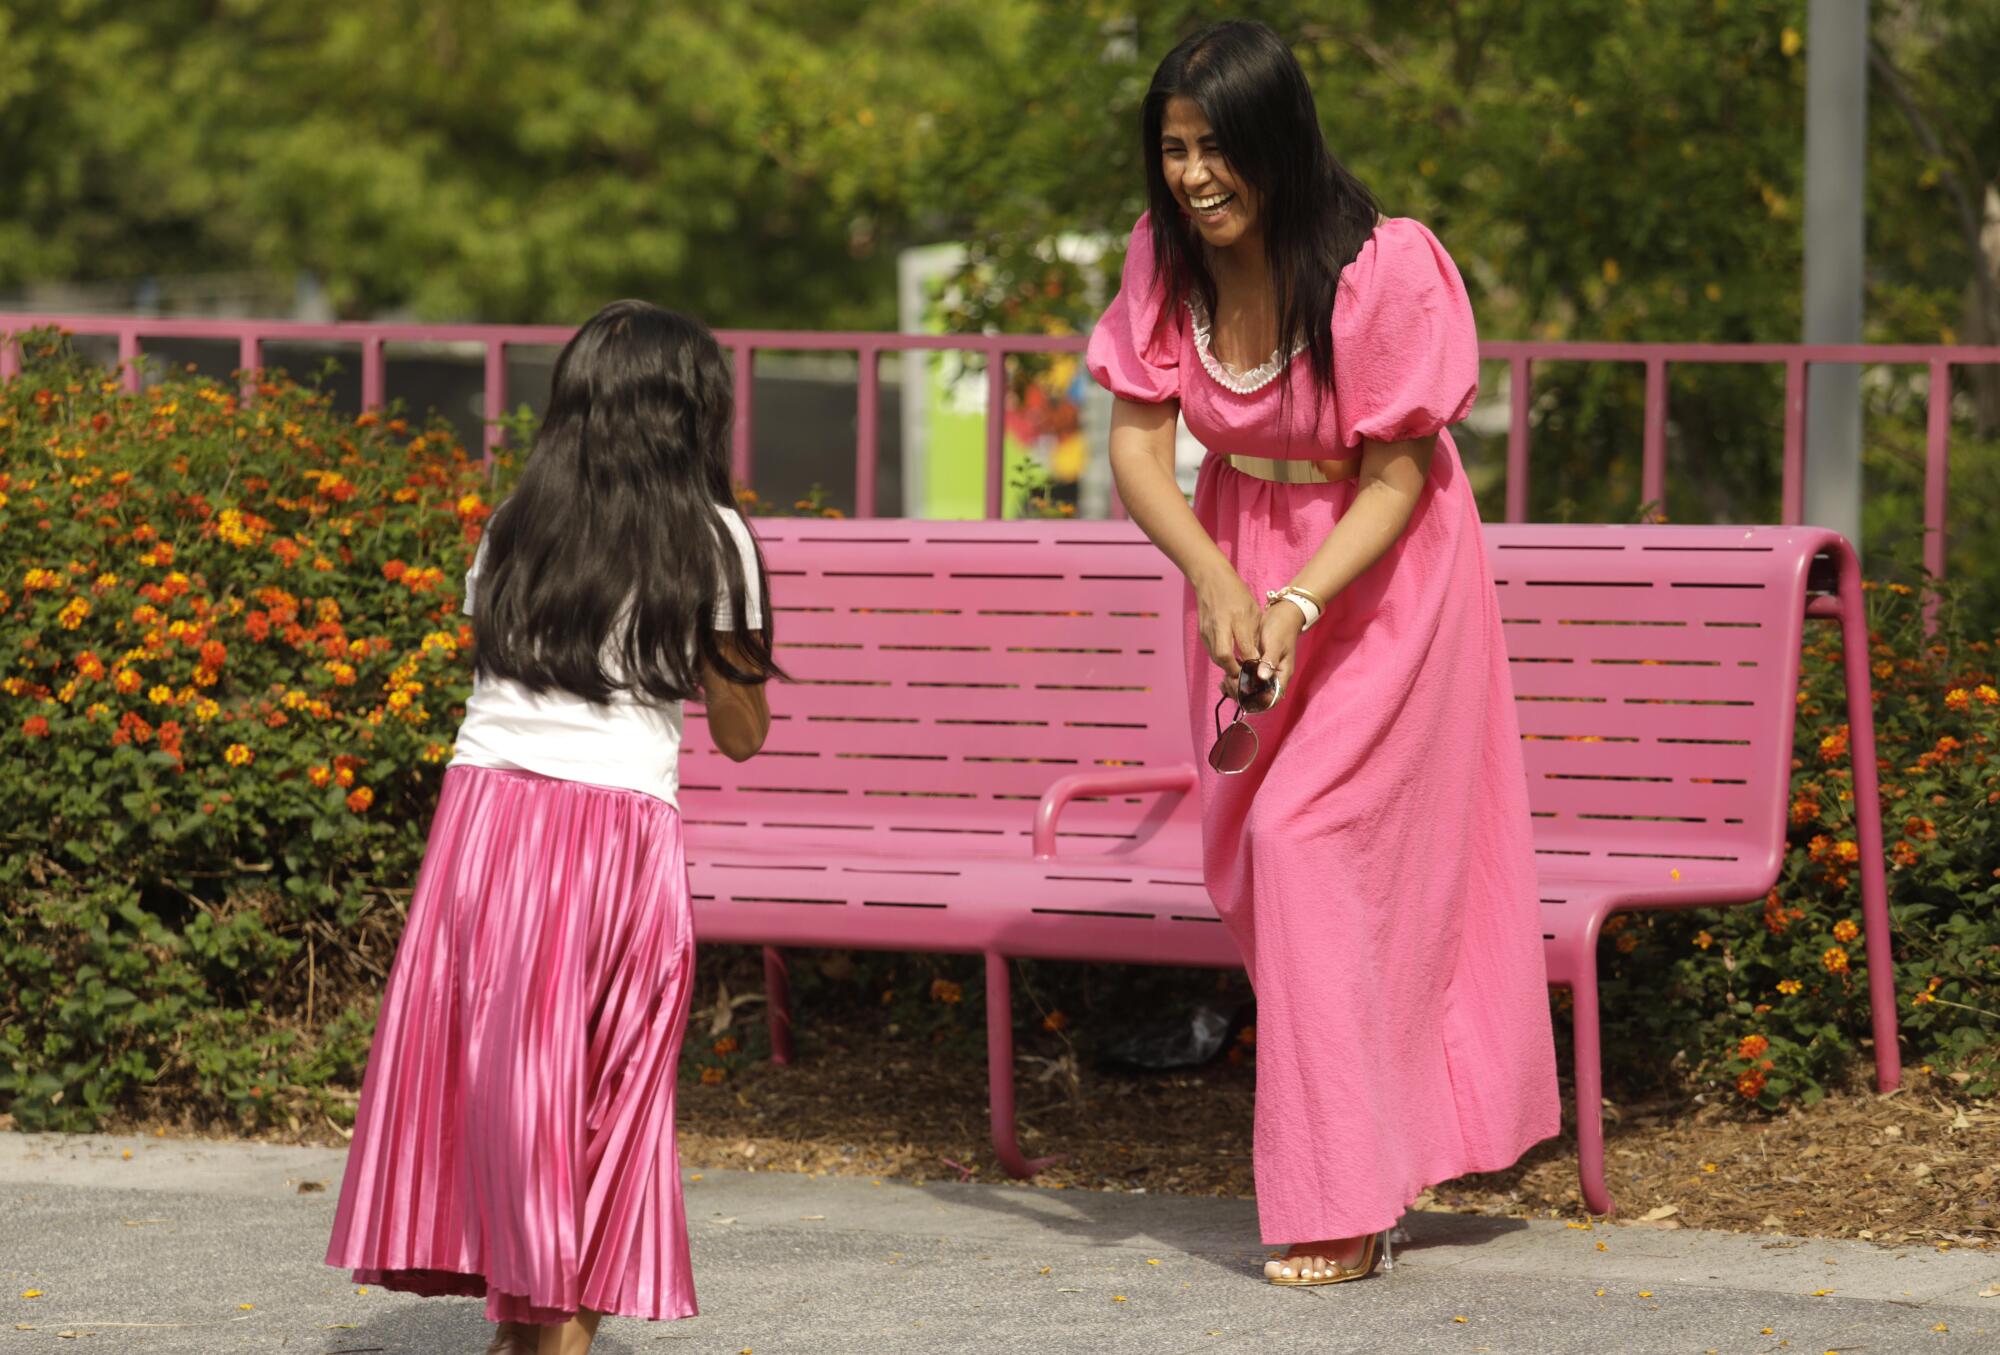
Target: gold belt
(1297, 472)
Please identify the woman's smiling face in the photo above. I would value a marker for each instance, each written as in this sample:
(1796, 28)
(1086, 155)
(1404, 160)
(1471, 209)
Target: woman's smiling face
(1222, 207)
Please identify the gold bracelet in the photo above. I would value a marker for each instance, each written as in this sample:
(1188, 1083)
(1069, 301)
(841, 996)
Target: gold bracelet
(1309, 594)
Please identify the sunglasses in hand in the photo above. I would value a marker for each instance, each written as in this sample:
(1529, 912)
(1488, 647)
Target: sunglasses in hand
(1235, 746)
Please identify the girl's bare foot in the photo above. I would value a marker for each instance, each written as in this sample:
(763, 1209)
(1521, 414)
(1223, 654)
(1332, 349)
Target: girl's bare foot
(572, 1337)
(514, 1338)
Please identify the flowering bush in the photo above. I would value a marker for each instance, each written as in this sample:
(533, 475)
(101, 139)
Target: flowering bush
(814, 505)
(233, 664)
(1773, 1001)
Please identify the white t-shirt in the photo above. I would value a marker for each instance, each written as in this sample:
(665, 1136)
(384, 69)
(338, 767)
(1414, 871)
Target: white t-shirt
(631, 743)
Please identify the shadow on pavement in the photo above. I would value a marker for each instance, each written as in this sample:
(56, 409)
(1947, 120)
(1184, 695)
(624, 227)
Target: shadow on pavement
(1119, 1220)
(435, 1326)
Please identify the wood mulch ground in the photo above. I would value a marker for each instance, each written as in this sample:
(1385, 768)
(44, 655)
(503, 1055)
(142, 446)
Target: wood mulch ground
(1921, 1164)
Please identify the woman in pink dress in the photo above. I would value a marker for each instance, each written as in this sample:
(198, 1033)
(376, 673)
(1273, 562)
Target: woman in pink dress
(1370, 848)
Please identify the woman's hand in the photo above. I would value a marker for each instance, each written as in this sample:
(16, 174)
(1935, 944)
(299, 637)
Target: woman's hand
(1278, 632)
(1228, 620)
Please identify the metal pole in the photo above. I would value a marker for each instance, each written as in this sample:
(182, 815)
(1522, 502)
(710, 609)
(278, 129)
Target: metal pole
(1836, 159)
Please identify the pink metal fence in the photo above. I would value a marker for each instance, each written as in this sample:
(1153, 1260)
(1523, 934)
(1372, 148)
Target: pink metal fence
(250, 336)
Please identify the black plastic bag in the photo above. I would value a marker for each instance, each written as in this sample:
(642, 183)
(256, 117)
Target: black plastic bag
(1185, 1039)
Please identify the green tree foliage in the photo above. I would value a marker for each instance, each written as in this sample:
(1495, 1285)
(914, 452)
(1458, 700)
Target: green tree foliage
(1612, 169)
(1935, 174)
(515, 160)
(1602, 169)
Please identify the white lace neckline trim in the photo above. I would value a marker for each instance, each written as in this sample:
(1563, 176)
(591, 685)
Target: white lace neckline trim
(1242, 383)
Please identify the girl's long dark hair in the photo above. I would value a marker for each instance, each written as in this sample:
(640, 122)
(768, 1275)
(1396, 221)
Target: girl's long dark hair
(1316, 215)
(603, 569)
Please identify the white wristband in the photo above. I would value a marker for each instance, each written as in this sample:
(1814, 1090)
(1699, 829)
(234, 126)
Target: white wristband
(1307, 607)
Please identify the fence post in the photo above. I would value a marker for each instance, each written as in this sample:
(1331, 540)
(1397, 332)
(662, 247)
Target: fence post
(996, 432)
(1937, 466)
(867, 433)
(128, 358)
(249, 361)
(1520, 379)
(1792, 494)
(1937, 481)
(496, 394)
(371, 372)
(1653, 456)
(741, 427)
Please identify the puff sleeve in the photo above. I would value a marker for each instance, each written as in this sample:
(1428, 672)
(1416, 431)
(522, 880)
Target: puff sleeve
(1405, 352)
(1134, 350)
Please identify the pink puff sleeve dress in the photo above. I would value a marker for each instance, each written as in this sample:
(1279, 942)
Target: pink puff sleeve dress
(1375, 864)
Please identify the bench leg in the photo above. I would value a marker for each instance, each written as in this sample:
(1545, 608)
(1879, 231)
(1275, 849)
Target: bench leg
(1589, 1086)
(778, 1004)
(1868, 823)
(1000, 1070)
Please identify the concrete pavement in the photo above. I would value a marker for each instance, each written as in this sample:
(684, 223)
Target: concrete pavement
(188, 1246)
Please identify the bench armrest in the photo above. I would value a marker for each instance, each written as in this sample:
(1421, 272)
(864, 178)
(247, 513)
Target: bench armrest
(1110, 782)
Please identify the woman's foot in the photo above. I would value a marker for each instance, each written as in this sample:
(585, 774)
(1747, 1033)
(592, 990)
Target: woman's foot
(1322, 1260)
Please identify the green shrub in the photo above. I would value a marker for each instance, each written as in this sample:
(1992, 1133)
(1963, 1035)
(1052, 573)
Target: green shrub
(1772, 1002)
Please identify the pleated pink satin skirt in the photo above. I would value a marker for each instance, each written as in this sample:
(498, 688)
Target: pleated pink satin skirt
(515, 1138)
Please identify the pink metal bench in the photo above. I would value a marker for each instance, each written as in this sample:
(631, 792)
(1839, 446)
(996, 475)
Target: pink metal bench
(986, 752)
(1655, 670)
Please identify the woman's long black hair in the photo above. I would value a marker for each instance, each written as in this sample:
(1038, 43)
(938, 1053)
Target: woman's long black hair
(1316, 215)
(603, 569)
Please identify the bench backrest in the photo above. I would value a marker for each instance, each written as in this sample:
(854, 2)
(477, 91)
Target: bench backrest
(1655, 672)
(945, 673)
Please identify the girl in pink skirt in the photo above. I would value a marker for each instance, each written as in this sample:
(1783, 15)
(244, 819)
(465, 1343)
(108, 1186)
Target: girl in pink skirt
(515, 1138)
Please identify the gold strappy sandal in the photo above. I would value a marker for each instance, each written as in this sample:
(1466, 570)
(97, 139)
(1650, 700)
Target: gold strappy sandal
(1299, 1272)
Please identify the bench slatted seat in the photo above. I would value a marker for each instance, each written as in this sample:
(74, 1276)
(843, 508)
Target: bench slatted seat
(986, 751)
